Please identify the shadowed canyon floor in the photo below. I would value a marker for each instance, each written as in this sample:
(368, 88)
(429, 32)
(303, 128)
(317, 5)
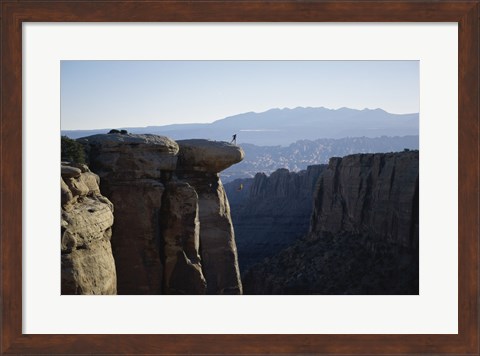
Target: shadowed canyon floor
(271, 212)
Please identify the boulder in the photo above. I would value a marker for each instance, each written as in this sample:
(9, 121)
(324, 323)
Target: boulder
(66, 194)
(70, 172)
(76, 183)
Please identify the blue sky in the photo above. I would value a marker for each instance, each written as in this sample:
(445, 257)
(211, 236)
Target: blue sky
(106, 94)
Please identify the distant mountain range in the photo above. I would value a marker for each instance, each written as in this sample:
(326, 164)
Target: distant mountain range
(303, 153)
(285, 126)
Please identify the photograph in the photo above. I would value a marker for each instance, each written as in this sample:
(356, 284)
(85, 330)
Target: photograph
(239, 177)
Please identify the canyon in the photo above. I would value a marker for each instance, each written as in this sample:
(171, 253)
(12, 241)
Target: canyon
(363, 236)
(271, 212)
(150, 215)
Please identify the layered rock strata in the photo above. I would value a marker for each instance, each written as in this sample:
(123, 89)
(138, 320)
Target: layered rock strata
(161, 238)
(199, 163)
(131, 169)
(374, 195)
(363, 237)
(271, 212)
(87, 263)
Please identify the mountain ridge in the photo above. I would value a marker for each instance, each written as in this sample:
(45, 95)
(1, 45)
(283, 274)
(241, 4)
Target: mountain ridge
(284, 126)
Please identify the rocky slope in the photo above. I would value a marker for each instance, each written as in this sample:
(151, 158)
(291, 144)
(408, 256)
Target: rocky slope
(363, 236)
(271, 212)
(87, 264)
(168, 200)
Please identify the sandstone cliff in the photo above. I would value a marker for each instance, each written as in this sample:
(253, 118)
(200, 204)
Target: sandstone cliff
(87, 262)
(168, 202)
(271, 212)
(363, 237)
(199, 164)
(370, 194)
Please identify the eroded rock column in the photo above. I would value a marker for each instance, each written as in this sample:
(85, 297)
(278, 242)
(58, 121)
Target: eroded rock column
(131, 168)
(199, 163)
(88, 266)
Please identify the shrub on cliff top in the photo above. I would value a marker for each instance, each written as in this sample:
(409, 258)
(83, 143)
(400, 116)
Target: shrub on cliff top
(115, 131)
(72, 151)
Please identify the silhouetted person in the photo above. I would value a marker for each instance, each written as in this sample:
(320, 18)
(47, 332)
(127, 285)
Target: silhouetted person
(234, 139)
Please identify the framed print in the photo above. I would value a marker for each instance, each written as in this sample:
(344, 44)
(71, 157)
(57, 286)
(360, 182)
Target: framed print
(50, 48)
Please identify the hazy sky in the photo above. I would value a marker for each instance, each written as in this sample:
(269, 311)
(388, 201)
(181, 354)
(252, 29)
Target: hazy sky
(113, 94)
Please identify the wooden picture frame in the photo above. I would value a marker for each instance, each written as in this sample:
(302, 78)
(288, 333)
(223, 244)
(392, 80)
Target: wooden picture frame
(15, 12)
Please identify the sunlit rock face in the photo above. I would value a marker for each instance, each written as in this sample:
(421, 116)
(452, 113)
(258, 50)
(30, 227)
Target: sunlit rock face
(88, 266)
(172, 232)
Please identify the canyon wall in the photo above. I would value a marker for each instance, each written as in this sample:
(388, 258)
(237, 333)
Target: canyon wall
(363, 237)
(168, 202)
(87, 264)
(271, 212)
(370, 194)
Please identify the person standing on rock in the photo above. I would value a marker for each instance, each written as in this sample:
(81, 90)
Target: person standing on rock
(234, 139)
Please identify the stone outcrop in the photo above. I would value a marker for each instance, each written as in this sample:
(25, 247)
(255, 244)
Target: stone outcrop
(172, 231)
(374, 195)
(363, 237)
(131, 168)
(271, 212)
(199, 163)
(87, 262)
(199, 155)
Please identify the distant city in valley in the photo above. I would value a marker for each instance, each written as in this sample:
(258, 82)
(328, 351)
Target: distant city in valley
(294, 138)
